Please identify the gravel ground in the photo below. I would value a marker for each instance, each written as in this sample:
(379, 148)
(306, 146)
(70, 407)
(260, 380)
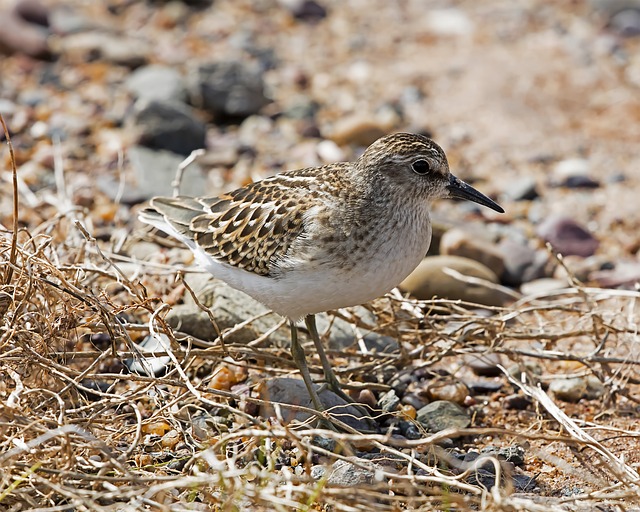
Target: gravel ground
(536, 103)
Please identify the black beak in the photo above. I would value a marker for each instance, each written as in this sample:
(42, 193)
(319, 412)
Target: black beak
(458, 188)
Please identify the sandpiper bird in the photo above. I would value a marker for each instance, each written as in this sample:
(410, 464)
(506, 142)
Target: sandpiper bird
(323, 238)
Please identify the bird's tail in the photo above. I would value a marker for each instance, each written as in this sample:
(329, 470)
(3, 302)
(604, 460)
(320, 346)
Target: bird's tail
(173, 215)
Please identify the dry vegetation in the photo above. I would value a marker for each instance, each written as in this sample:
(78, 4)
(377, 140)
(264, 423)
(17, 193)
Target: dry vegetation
(77, 432)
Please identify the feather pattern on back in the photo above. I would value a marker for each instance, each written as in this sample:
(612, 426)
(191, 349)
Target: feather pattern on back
(251, 228)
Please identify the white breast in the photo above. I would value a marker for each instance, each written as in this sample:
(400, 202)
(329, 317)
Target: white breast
(308, 288)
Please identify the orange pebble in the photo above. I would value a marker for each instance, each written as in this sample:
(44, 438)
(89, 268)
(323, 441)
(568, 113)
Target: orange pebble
(222, 379)
(156, 427)
(408, 411)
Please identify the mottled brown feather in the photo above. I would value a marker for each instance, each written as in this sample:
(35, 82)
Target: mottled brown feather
(251, 227)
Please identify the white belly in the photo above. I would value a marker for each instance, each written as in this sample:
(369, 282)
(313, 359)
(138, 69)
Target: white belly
(308, 289)
(306, 293)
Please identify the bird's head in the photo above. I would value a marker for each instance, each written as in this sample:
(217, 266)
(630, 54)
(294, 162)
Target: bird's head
(418, 167)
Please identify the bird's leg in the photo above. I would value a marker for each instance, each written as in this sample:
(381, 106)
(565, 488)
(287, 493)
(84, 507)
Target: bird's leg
(330, 377)
(297, 352)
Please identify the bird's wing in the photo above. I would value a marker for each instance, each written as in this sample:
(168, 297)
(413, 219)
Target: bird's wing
(250, 228)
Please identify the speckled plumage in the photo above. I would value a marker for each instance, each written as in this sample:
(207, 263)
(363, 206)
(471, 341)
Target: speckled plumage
(306, 241)
(320, 238)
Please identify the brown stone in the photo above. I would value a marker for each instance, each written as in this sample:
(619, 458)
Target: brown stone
(431, 279)
(458, 242)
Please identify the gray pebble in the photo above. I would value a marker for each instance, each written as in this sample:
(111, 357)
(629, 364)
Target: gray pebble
(484, 365)
(389, 401)
(576, 388)
(346, 474)
(156, 82)
(441, 415)
(286, 390)
(228, 89)
(153, 173)
(523, 189)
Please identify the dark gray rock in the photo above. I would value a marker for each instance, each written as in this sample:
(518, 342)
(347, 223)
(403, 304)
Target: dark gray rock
(341, 335)
(169, 125)
(325, 443)
(484, 470)
(228, 89)
(318, 471)
(514, 454)
(483, 386)
(229, 307)
(516, 401)
(580, 182)
(308, 10)
(190, 319)
(402, 380)
(91, 389)
(409, 430)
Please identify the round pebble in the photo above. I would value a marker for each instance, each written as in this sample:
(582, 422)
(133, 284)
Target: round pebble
(430, 280)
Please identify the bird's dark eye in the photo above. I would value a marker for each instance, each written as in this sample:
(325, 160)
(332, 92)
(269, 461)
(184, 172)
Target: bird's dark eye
(421, 167)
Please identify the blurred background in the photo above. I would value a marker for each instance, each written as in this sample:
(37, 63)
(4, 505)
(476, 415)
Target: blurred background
(537, 103)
